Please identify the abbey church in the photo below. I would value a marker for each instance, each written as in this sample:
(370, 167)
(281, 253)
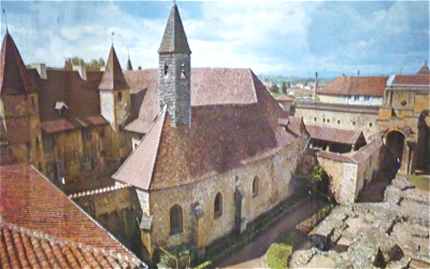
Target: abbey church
(159, 157)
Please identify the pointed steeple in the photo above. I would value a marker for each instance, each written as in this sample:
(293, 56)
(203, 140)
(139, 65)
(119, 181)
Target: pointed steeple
(129, 66)
(14, 77)
(424, 70)
(113, 78)
(174, 38)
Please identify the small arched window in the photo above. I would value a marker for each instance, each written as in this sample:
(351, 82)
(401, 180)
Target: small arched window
(255, 185)
(218, 206)
(175, 220)
(166, 70)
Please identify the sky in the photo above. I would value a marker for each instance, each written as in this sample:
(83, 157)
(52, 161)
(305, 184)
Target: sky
(290, 38)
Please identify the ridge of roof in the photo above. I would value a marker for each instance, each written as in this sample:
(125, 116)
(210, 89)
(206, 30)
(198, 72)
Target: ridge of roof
(143, 158)
(14, 77)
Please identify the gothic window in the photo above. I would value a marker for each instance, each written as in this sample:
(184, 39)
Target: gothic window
(183, 73)
(218, 205)
(315, 118)
(175, 220)
(370, 124)
(338, 121)
(255, 186)
(166, 70)
(119, 96)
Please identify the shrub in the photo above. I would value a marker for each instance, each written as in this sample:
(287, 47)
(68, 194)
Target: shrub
(278, 254)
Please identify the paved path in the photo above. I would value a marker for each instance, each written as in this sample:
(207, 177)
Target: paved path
(252, 255)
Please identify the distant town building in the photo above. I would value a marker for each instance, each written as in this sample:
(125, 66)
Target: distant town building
(354, 90)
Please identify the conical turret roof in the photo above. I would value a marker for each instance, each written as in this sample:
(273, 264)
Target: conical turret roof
(113, 78)
(14, 77)
(424, 70)
(174, 38)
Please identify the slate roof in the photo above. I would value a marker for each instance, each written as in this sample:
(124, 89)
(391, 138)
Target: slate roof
(334, 135)
(174, 38)
(224, 132)
(113, 78)
(14, 77)
(355, 86)
(41, 227)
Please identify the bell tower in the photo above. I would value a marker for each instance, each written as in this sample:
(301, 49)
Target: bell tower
(175, 71)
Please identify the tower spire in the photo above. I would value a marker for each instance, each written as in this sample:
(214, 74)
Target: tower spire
(5, 18)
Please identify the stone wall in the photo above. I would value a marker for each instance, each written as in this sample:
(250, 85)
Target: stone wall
(340, 116)
(274, 174)
(115, 208)
(349, 173)
(175, 87)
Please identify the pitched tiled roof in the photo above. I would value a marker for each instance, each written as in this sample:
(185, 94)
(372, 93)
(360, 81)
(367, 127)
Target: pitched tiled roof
(56, 126)
(350, 86)
(334, 135)
(174, 38)
(209, 87)
(14, 76)
(80, 96)
(113, 78)
(25, 248)
(221, 136)
(40, 221)
(419, 80)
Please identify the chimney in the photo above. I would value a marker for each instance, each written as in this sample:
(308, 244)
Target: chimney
(82, 70)
(41, 69)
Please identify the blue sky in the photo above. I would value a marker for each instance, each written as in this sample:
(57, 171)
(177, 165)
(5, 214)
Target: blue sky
(271, 37)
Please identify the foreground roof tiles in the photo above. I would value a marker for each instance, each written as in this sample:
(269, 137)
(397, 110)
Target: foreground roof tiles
(350, 86)
(38, 220)
(14, 77)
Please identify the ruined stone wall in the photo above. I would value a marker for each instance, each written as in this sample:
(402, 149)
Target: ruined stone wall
(334, 118)
(117, 211)
(350, 172)
(274, 176)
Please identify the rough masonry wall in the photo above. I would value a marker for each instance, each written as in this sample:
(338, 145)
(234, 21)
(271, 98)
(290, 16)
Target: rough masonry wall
(274, 175)
(175, 88)
(340, 119)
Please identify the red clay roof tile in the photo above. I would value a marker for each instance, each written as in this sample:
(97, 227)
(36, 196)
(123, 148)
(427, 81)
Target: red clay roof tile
(41, 213)
(350, 86)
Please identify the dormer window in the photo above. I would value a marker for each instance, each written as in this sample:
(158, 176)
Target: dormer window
(183, 74)
(166, 70)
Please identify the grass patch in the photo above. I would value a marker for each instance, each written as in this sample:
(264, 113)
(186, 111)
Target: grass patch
(278, 254)
(421, 182)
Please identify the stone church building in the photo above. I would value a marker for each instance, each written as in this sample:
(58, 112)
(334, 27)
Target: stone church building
(213, 156)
